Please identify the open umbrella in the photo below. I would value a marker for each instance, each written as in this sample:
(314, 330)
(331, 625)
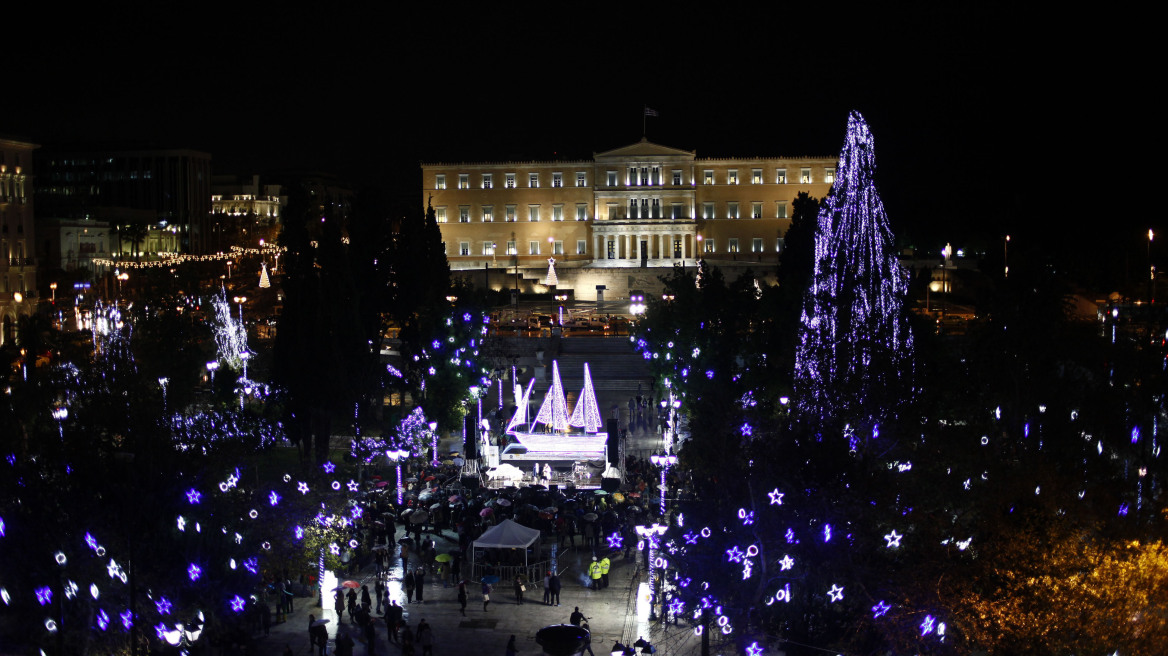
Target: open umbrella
(454, 498)
(448, 462)
(617, 496)
(443, 558)
(545, 515)
(320, 622)
(435, 506)
(551, 510)
(590, 517)
(406, 540)
(382, 483)
(419, 516)
(502, 502)
(485, 511)
(459, 461)
(412, 479)
(601, 493)
(381, 547)
(634, 495)
(490, 579)
(429, 478)
(350, 584)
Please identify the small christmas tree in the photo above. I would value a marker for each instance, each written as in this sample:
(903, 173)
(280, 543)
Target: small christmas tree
(552, 280)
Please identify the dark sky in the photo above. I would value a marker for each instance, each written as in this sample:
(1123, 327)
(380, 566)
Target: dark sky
(975, 110)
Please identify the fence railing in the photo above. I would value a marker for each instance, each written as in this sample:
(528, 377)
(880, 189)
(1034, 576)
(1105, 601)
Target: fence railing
(533, 572)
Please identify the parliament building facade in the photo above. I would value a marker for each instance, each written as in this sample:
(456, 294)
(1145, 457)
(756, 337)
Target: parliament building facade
(640, 206)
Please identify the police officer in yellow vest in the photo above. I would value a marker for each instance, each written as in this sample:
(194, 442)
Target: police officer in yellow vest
(604, 565)
(594, 573)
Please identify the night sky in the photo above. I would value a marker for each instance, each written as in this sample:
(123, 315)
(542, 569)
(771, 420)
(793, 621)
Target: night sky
(986, 120)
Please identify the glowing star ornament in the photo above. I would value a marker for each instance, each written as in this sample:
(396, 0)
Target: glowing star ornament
(753, 649)
(194, 572)
(836, 593)
(303, 487)
(893, 539)
(273, 498)
(329, 467)
(928, 625)
(237, 604)
(615, 540)
(776, 497)
(44, 595)
(353, 486)
(880, 609)
(182, 523)
(193, 496)
(127, 618)
(786, 563)
(735, 554)
(163, 605)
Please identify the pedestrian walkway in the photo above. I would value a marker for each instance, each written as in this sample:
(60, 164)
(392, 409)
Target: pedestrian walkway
(480, 633)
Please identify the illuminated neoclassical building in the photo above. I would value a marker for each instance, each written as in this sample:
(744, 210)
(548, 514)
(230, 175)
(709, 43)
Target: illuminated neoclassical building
(640, 206)
(18, 260)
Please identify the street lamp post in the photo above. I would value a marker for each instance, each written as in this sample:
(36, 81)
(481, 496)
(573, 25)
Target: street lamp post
(53, 289)
(651, 536)
(1006, 256)
(1151, 270)
(945, 253)
(396, 456)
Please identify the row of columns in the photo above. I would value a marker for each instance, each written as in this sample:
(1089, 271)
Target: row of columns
(628, 246)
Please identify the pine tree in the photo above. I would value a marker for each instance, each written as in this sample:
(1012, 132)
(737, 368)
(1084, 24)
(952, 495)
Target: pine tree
(853, 362)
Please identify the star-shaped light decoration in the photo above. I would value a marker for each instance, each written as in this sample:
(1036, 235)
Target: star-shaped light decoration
(160, 629)
(91, 541)
(163, 605)
(273, 498)
(615, 540)
(329, 467)
(113, 569)
(182, 523)
(127, 619)
(776, 497)
(237, 604)
(252, 565)
(746, 571)
(746, 430)
(353, 486)
(193, 496)
(786, 563)
(357, 512)
(102, 619)
(735, 554)
(44, 595)
(690, 538)
(836, 593)
(880, 609)
(71, 590)
(893, 539)
(299, 532)
(928, 625)
(303, 487)
(334, 549)
(753, 650)
(194, 572)
(676, 606)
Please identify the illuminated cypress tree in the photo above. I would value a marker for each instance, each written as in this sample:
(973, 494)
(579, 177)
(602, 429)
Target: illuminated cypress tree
(853, 362)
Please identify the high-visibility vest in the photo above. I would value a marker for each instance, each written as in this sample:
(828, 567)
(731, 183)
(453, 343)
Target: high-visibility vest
(594, 570)
(604, 565)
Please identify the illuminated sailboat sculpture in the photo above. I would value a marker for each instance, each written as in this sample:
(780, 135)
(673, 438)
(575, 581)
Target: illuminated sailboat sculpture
(579, 432)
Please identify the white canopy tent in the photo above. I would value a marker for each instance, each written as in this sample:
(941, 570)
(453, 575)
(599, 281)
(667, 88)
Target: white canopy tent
(507, 535)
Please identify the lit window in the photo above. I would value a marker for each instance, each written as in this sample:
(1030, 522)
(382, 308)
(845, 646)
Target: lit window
(557, 212)
(488, 248)
(488, 180)
(581, 247)
(464, 181)
(755, 176)
(656, 179)
(464, 248)
(510, 214)
(533, 247)
(558, 248)
(440, 214)
(509, 180)
(533, 213)
(645, 175)
(756, 245)
(709, 245)
(488, 212)
(677, 211)
(633, 213)
(511, 248)
(464, 213)
(732, 176)
(733, 245)
(656, 208)
(611, 178)
(779, 245)
(533, 180)
(676, 178)
(756, 210)
(805, 176)
(731, 210)
(781, 209)
(707, 210)
(632, 179)
(707, 177)
(440, 181)
(581, 179)
(581, 212)
(829, 175)
(780, 176)
(557, 180)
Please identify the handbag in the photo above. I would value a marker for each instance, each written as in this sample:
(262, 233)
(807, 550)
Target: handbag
(522, 588)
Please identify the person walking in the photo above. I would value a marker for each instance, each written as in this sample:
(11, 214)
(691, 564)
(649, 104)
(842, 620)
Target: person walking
(366, 601)
(547, 590)
(486, 595)
(409, 584)
(317, 635)
(379, 592)
(594, 573)
(339, 604)
(462, 597)
(587, 639)
(407, 641)
(520, 585)
(352, 599)
(420, 582)
(426, 638)
(577, 617)
(554, 584)
(511, 649)
(393, 620)
(604, 565)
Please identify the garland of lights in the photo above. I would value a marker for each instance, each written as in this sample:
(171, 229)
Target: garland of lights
(175, 259)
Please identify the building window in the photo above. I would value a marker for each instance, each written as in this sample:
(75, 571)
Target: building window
(709, 248)
(464, 181)
(489, 248)
(533, 180)
(509, 180)
(732, 176)
(464, 248)
(805, 176)
(656, 175)
(731, 210)
(558, 248)
(780, 176)
(676, 178)
(510, 214)
(755, 176)
(557, 212)
(511, 248)
(781, 209)
(488, 213)
(756, 210)
(581, 212)
(677, 211)
(581, 179)
(829, 175)
(632, 178)
(756, 245)
(733, 245)
(581, 247)
(779, 245)
(440, 214)
(707, 210)
(557, 180)
(707, 177)
(464, 213)
(533, 247)
(633, 208)
(440, 181)
(656, 208)
(611, 175)
(533, 213)
(645, 176)
(488, 180)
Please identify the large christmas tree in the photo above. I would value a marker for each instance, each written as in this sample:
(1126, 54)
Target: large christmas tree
(853, 363)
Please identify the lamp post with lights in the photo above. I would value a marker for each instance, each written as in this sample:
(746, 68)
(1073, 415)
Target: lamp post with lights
(396, 456)
(650, 539)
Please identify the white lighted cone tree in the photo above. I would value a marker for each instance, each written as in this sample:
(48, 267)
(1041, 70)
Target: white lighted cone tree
(552, 280)
(853, 362)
